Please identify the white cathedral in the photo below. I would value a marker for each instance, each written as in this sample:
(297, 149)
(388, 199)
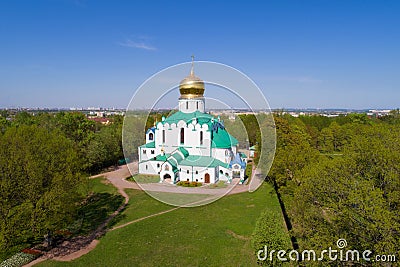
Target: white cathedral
(191, 145)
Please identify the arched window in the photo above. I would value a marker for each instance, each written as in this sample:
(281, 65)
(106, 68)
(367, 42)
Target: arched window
(182, 135)
(187, 105)
(197, 105)
(163, 136)
(151, 136)
(201, 138)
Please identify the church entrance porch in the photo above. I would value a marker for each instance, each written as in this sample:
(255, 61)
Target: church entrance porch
(167, 178)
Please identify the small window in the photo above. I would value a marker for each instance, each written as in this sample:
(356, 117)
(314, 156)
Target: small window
(182, 135)
(151, 136)
(221, 172)
(201, 137)
(197, 172)
(187, 171)
(187, 180)
(163, 136)
(166, 167)
(147, 167)
(158, 165)
(197, 107)
(187, 105)
(152, 151)
(144, 151)
(197, 180)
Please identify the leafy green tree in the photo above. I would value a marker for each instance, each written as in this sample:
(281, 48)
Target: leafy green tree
(133, 134)
(355, 196)
(293, 151)
(39, 182)
(268, 235)
(105, 148)
(76, 127)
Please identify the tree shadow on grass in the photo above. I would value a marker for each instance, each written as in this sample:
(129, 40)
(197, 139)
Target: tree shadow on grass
(96, 209)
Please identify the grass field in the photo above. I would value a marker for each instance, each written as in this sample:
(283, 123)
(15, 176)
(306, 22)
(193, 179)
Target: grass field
(217, 234)
(143, 178)
(103, 201)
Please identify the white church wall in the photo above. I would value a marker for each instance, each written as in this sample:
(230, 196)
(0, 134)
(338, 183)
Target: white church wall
(213, 178)
(148, 167)
(222, 154)
(191, 173)
(191, 105)
(172, 136)
(146, 153)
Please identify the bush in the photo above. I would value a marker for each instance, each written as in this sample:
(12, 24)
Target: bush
(268, 234)
(189, 184)
(18, 259)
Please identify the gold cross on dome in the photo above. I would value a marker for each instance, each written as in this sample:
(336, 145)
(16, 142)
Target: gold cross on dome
(192, 70)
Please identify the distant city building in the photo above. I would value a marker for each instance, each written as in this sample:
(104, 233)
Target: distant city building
(102, 120)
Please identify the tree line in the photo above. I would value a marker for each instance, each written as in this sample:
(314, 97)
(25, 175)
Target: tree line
(44, 161)
(340, 178)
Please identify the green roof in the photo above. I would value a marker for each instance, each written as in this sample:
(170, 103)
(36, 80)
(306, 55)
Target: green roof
(202, 161)
(201, 117)
(149, 145)
(173, 164)
(162, 157)
(183, 151)
(243, 155)
(222, 139)
(177, 156)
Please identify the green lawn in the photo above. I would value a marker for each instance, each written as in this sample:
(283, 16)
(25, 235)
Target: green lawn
(143, 178)
(217, 234)
(102, 202)
(140, 205)
(220, 184)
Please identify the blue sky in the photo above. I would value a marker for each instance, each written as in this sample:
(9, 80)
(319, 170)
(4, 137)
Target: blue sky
(316, 54)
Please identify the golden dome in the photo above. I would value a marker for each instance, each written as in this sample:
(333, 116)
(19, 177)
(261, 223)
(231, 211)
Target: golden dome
(192, 86)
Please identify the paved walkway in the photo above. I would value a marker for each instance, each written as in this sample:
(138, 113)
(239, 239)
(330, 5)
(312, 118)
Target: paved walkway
(117, 178)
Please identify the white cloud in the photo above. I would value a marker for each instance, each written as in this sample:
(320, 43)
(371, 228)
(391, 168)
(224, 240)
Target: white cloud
(137, 44)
